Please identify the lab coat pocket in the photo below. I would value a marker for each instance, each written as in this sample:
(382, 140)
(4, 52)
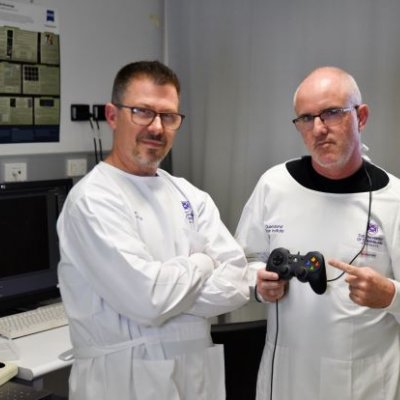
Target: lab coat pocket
(215, 373)
(335, 380)
(201, 374)
(154, 380)
(205, 374)
(352, 380)
(368, 379)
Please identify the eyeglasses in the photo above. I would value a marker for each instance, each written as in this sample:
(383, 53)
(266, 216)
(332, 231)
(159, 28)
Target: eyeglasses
(330, 117)
(145, 117)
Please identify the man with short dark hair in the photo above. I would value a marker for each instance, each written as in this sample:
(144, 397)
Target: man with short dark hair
(145, 259)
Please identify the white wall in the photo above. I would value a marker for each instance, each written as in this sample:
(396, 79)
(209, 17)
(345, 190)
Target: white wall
(240, 62)
(97, 37)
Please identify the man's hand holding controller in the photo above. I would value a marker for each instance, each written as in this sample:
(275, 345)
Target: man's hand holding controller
(269, 286)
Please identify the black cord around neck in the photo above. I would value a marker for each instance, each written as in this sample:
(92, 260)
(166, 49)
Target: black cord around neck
(368, 222)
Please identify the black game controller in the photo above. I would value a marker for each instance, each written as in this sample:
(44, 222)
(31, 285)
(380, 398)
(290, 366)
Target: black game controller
(308, 268)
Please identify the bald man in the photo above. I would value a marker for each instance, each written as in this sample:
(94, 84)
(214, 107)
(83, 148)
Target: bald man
(345, 343)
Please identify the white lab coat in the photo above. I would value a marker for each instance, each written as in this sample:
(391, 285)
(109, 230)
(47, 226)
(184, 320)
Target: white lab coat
(329, 348)
(145, 261)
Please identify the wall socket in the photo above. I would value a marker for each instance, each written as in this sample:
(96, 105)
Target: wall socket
(76, 167)
(15, 172)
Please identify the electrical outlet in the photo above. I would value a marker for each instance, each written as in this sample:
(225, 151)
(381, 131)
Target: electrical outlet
(76, 167)
(15, 172)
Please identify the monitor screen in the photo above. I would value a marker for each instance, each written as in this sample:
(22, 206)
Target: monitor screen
(28, 241)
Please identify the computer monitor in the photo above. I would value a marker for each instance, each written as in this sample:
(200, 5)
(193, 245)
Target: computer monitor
(29, 251)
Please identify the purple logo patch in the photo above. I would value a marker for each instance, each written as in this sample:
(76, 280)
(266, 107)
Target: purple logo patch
(373, 229)
(188, 211)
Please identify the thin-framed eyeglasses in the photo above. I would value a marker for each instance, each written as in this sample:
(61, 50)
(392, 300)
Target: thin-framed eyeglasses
(330, 117)
(145, 117)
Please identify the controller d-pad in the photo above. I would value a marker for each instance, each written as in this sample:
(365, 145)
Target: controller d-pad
(277, 259)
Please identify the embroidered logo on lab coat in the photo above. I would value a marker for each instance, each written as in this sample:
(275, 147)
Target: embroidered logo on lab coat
(187, 207)
(374, 242)
(373, 229)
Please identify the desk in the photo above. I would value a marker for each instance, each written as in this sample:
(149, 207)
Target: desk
(38, 353)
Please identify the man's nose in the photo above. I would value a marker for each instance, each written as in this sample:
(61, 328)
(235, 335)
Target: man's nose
(156, 125)
(319, 126)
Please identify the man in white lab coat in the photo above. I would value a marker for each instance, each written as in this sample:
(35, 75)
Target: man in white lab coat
(345, 343)
(145, 259)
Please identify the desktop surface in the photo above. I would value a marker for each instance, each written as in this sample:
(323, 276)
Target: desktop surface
(39, 353)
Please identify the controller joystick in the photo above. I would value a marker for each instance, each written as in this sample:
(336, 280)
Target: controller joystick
(306, 268)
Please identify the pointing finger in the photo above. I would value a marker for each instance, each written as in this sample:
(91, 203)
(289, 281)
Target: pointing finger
(350, 269)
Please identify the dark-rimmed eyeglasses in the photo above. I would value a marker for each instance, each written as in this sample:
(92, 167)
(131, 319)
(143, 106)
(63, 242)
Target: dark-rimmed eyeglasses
(330, 117)
(145, 117)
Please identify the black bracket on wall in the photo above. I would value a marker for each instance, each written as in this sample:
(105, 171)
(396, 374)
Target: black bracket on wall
(80, 112)
(99, 112)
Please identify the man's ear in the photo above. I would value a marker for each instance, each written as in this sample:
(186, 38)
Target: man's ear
(111, 114)
(362, 114)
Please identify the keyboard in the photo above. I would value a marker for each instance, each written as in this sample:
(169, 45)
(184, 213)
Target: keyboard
(33, 321)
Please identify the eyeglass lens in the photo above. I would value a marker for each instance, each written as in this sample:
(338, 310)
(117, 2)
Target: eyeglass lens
(329, 117)
(145, 117)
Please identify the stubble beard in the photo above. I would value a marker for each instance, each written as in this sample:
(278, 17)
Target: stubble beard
(148, 161)
(335, 161)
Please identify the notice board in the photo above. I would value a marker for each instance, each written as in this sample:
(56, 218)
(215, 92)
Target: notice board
(29, 74)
